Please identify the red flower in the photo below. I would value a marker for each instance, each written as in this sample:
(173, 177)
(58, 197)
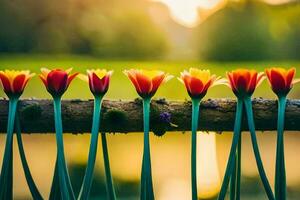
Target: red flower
(281, 80)
(243, 81)
(98, 80)
(147, 82)
(198, 81)
(56, 81)
(14, 82)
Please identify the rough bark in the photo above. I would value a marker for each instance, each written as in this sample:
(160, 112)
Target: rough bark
(126, 116)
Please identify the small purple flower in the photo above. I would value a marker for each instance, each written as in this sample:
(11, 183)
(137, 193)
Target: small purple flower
(165, 117)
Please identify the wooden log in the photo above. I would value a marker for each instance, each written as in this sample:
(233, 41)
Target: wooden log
(36, 115)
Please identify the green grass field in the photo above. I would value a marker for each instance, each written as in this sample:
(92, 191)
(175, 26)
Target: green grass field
(121, 87)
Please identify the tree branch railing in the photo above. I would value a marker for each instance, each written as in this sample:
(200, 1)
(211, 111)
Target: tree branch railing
(37, 115)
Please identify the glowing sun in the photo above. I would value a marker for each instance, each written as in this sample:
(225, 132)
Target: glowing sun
(185, 12)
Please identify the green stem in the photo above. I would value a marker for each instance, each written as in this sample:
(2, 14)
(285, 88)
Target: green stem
(280, 176)
(146, 177)
(6, 178)
(235, 141)
(55, 193)
(109, 180)
(195, 116)
(248, 105)
(64, 179)
(143, 180)
(31, 184)
(238, 173)
(233, 179)
(88, 178)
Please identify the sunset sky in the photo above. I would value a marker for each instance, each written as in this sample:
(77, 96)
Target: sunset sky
(187, 12)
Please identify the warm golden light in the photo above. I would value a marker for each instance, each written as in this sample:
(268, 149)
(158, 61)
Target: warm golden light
(276, 2)
(186, 12)
(208, 176)
(191, 12)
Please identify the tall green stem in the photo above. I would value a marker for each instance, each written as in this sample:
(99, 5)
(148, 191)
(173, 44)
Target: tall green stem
(143, 194)
(248, 105)
(55, 193)
(146, 177)
(64, 178)
(235, 180)
(280, 176)
(109, 180)
(6, 178)
(88, 178)
(31, 184)
(235, 141)
(239, 163)
(195, 116)
(232, 192)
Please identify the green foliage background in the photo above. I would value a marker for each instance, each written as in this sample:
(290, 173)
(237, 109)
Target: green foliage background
(134, 29)
(251, 31)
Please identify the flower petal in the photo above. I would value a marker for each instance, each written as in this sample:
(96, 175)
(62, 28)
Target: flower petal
(242, 83)
(83, 77)
(71, 77)
(297, 80)
(57, 82)
(220, 81)
(18, 83)
(260, 78)
(144, 83)
(45, 72)
(5, 83)
(196, 86)
(232, 82)
(105, 82)
(206, 86)
(99, 86)
(68, 71)
(278, 81)
(252, 82)
(167, 78)
(44, 80)
(290, 76)
(131, 74)
(156, 81)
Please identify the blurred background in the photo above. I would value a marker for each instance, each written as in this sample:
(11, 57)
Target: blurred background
(170, 35)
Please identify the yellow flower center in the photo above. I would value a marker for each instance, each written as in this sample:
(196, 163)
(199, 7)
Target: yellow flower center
(151, 73)
(203, 75)
(12, 74)
(99, 72)
(280, 70)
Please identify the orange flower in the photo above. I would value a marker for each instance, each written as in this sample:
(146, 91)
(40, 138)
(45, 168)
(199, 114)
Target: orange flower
(56, 81)
(243, 81)
(14, 82)
(146, 82)
(281, 80)
(98, 80)
(198, 81)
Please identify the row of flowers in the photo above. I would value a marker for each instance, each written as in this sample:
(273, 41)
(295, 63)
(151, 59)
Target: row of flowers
(196, 81)
(243, 82)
